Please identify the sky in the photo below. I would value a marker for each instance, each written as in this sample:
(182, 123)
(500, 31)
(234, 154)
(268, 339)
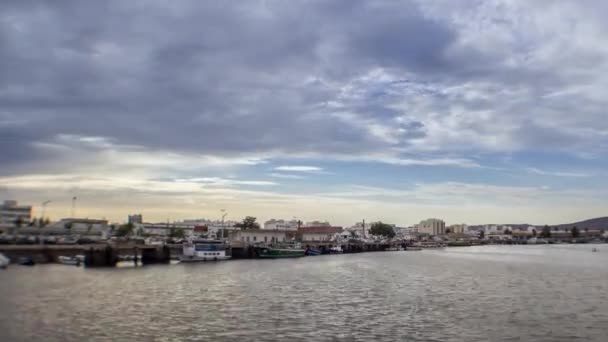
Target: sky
(470, 111)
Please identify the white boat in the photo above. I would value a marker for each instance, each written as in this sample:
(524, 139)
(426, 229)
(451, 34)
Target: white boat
(336, 250)
(4, 261)
(204, 250)
(75, 260)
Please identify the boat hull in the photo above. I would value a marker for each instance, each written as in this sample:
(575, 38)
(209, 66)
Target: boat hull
(279, 253)
(203, 259)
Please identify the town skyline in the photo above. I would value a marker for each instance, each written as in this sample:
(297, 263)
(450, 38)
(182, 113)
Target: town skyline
(393, 111)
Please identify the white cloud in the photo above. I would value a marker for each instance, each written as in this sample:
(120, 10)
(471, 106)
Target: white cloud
(298, 168)
(556, 173)
(285, 176)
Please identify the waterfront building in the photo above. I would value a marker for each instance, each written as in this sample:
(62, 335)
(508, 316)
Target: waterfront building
(360, 229)
(317, 233)
(458, 228)
(317, 224)
(12, 214)
(432, 226)
(83, 227)
(259, 236)
(282, 224)
(135, 218)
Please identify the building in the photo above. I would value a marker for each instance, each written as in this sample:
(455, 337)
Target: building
(12, 214)
(317, 224)
(135, 218)
(282, 224)
(359, 229)
(72, 226)
(318, 233)
(259, 236)
(432, 226)
(458, 228)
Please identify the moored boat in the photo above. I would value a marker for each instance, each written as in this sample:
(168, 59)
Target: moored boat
(279, 253)
(71, 260)
(4, 261)
(312, 251)
(336, 250)
(26, 261)
(204, 250)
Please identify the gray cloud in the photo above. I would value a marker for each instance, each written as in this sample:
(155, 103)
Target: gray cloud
(344, 77)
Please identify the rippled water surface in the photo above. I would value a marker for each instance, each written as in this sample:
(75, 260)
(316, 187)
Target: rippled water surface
(490, 293)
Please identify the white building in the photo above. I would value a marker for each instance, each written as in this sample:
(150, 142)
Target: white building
(318, 234)
(432, 226)
(317, 224)
(11, 213)
(360, 229)
(281, 224)
(259, 236)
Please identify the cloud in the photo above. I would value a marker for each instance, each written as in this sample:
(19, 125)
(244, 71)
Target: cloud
(298, 168)
(556, 174)
(285, 176)
(216, 181)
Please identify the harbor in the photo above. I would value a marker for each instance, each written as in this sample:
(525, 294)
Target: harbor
(469, 293)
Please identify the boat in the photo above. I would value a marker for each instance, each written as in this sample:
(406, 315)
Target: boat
(74, 260)
(336, 250)
(26, 261)
(312, 251)
(278, 253)
(4, 261)
(204, 250)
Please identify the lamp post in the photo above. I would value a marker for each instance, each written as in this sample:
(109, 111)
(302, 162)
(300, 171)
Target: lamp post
(224, 213)
(44, 204)
(73, 205)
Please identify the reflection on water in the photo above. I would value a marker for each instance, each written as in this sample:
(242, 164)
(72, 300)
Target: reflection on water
(489, 293)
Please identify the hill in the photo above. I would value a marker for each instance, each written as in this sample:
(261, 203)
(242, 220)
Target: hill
(594, 223)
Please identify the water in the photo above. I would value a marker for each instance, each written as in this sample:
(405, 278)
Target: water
(490, 293)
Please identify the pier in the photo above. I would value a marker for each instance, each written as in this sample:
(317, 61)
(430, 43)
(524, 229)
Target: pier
(97, 255)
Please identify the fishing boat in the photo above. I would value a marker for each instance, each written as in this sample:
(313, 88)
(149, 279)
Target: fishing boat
(204, 250)
(279, 253)
(71, 260)
(4, 261)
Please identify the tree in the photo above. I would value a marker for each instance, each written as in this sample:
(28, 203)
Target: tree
(546, 232)
(177, 233)
(125, 229)
(19, 221)
(575, 232)
(32, 223)
(482, 234)
(448, 231)
(382, 229)
(507, 232)
(586, 230)
(534, 233)
(68, 225)
(249, 223)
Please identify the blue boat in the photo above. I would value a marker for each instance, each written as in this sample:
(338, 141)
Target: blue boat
(312, 251)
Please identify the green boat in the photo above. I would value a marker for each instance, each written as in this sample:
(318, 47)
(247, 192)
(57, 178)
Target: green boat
(278, 253)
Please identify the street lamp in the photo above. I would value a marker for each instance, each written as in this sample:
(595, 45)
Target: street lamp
(224, 213)
(43, 205)
(73, 205)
